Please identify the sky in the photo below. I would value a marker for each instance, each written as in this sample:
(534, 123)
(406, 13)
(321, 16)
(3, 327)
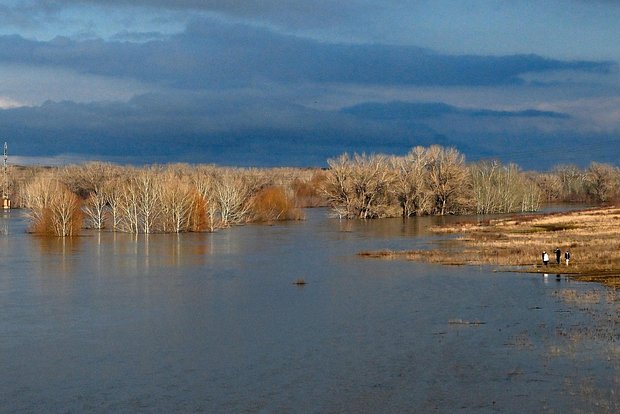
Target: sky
(296, 82)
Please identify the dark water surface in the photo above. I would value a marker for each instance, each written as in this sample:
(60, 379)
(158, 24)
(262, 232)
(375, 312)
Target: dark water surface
(213, 323)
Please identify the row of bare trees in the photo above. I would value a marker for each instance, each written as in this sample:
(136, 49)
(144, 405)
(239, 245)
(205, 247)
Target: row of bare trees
(433, 180)
(502, 189)
(599, 183)
(436, 180)
(179, 198)
(157, 199)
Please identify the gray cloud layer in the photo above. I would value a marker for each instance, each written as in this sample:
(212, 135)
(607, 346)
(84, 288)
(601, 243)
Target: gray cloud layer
(196, 127)
(211, 54)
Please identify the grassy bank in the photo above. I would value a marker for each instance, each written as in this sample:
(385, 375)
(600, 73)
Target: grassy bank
(516, 243)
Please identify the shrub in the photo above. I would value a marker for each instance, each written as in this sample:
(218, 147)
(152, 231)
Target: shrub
(54, 209)
(272, 204)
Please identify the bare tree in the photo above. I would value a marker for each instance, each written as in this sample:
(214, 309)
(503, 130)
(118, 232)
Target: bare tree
(203, 179)
(89, 181)
(65, 214)
(502, 189)
(411, 183)
(127, 206)
(53, 208)
(550, 186)
(136, 201)
(360, 187)
(573, 182)
(338, 187)
(602, 182)
(112, 192)
(232, 191)
(447, 179)
(149, 198)
(37, 197)
(94, 208)
(180, 203)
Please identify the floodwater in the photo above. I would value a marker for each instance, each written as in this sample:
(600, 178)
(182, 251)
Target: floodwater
(213, 323)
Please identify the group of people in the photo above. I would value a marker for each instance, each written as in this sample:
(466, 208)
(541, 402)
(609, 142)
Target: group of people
(558, 256)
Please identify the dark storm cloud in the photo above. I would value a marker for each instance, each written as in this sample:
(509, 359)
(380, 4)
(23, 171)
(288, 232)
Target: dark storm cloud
(249, 129)
(211, 53)
(426, 110)
(198, 128)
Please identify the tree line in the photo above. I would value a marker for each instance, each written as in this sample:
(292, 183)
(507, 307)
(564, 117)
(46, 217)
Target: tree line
(436, 181)
(159, 199)
(178, 198)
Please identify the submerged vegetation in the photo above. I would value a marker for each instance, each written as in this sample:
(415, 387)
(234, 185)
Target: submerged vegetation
(186, 198)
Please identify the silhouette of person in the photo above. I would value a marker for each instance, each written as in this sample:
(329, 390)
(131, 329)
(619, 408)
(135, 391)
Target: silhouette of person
(567, 257)
(545, 258)
(558, 254)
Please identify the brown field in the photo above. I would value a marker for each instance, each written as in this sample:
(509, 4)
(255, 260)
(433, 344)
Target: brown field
(592, 236)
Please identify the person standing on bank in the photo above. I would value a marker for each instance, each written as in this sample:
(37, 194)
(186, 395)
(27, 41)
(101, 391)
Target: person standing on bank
(567, 257)
(545, 258)
(558, 255)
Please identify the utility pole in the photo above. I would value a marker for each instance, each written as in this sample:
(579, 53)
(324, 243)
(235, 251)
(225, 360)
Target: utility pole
(6, 202)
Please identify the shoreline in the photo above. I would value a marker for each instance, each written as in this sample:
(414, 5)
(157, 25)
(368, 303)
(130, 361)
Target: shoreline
(515, 244)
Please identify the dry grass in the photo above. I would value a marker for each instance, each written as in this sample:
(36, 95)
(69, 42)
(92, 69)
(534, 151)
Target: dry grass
(592, 236)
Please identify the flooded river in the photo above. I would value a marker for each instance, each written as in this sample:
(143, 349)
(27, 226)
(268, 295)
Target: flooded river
(214, 323)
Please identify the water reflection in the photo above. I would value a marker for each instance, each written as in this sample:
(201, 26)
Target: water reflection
(58, 246)
(115, 322)
(111, 250)
(59, 252)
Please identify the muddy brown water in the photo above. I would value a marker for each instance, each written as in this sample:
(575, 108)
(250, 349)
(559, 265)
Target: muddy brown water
(214, 323)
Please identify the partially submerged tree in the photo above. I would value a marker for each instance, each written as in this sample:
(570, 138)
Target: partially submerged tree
(273, 204)
(360, 187)
(54, 209)
(182, 207)
(432, 180)
(232, 191)
(411, 185)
